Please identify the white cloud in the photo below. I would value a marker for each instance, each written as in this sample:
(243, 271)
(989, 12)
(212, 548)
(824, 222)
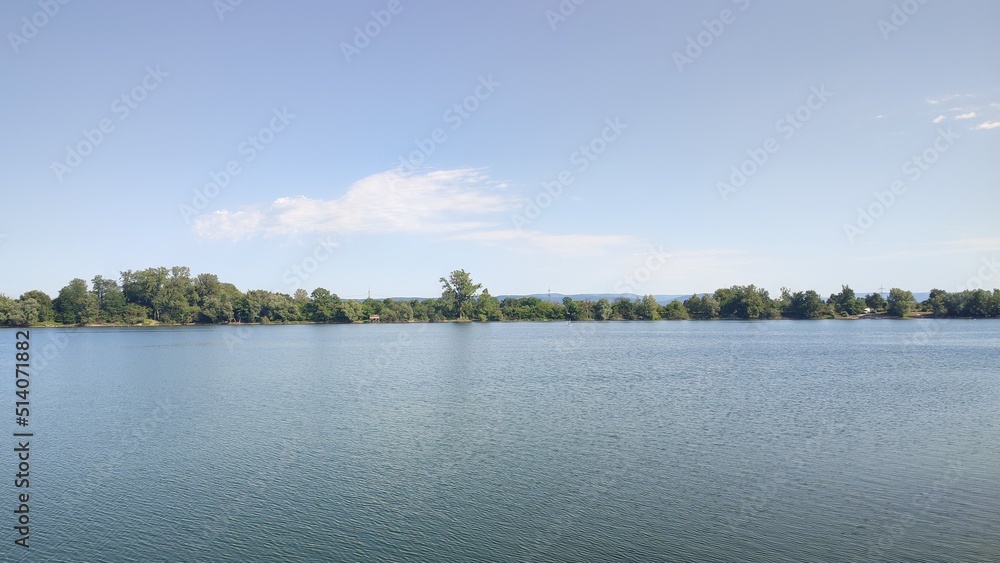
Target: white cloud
(988, 125)
(939, 119)
(969, 115)
(450, 205)
(434, 202)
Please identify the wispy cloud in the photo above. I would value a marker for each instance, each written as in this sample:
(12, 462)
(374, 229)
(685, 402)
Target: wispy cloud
(939, 119)
(434, 202)
(949, 97)
(968, 115)
(988, 125)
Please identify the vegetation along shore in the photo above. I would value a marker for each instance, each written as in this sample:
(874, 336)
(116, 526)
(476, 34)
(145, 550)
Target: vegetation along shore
(156, 296)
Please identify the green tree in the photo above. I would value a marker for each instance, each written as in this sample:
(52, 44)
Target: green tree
(281, 308)
(900, 302)
(23, 312)
(977, 304)
(135, 314)
(7, 306)
(937, 302)
(178, 300)
(743, 302)
(215, 300)
(46, 312)
(76, 305)
(146, 288)
(805, 305)
(350, 312)
(623, 308)
(675, 311)
(706, 307)
(110, 299)
(875, 302)
(647, 308)
(458, 287)
(603, 310)
(113, 306)
(845, 302)
(488, 307)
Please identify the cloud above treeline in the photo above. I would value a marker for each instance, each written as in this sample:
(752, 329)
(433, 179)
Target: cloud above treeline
(462, 204)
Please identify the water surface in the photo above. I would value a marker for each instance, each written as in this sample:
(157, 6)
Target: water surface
(821, 440)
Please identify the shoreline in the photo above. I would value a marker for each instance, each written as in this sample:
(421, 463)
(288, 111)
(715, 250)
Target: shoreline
(918, 315)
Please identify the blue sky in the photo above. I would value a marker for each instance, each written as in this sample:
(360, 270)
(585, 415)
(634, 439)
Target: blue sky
(379, 145)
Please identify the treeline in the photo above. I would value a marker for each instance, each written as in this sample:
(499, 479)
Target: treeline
(162, 295)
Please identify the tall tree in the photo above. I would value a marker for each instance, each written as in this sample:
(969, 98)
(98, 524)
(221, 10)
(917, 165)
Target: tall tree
(603, 310)
(900, 302)
(488, 307)
(458, 287)
(846, 302)
(76, 305)
(647, 309)
(110, 299)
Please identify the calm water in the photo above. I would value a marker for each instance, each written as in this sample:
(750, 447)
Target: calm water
(826, 440)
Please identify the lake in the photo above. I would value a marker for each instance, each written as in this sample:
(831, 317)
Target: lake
(642, 441)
